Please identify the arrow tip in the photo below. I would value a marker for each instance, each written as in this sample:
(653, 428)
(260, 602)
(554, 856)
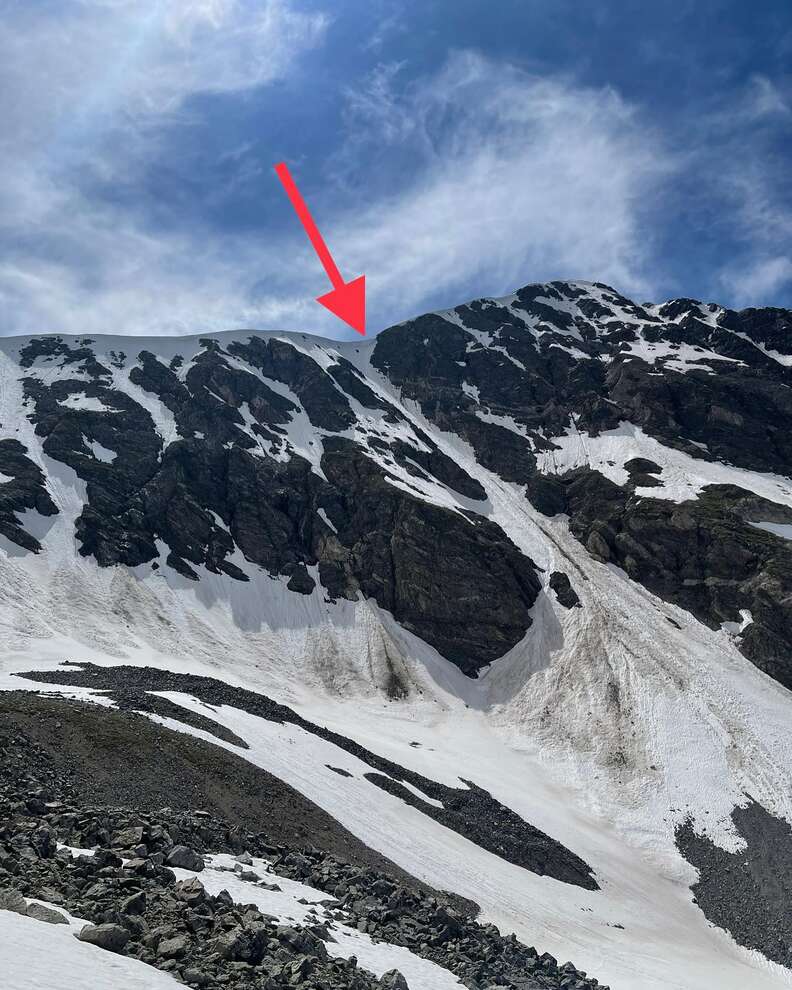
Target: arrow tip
(348, 303)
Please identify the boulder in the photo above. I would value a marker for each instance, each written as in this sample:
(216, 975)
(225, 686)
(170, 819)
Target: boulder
(127, 838)
(565, 593)
(190, 891)
(173, 948)
(112, 938)
(136, 904)
(185, 858)
(196, 977)
(12, 900)
(43, 913)
(393, 980)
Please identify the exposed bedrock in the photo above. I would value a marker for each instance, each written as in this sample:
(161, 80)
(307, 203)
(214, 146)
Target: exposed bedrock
(455, 581)
(22, 489)
(460, 584)
(282, 455)
(702, 555)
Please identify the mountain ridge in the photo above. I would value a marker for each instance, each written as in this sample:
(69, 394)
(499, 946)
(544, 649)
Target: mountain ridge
(542, 537)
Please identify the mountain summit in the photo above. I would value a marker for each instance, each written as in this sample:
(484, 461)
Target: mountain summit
(499, 601)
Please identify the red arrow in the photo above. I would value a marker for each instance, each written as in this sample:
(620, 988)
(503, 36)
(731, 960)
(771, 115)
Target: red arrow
(347, 299)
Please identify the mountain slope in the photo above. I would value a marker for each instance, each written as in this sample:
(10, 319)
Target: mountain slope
(520, 571)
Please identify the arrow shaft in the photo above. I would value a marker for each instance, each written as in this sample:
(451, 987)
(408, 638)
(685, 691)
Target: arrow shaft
(302, 211)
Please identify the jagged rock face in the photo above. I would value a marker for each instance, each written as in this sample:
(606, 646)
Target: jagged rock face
(511, 376)
(305, 459)
(685, 373)
(231, 482)
(701, 554)
(22, 489)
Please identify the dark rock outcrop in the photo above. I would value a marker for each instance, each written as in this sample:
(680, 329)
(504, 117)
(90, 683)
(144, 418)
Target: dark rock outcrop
(112, 938)
(230, 483)
(22, 487)
(565, 593)
(702, 554)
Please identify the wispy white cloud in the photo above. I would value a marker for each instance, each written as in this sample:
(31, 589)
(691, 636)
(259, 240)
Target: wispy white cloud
(743, 153)
(473, 178)
(391, 20)
(140, 57)
(756, 281)
(514, 177)
(764, 99)
(88, 87)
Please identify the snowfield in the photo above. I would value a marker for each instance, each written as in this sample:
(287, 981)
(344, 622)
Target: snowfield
(606, 726)
(39, 956)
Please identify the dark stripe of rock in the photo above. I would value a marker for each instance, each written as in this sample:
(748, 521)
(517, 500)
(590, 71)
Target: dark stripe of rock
(23, 489)
(137, 908)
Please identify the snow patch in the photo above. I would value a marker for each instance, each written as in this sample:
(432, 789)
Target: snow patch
(737, 628)
(683, 477)
(38, 956)
(326, 519)
(87, 403)
(101, 453)
(778, 529)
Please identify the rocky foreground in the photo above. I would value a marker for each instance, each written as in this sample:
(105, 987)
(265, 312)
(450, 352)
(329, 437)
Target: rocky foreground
(129, 893)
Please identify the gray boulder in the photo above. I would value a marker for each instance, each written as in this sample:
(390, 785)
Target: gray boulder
(173, 948)
(43, 913)
(12, 900)
(196, 977)
(393, 980)
(113, 938)
(135, 904)
(190, 891)
(185, 858)
(127, 838)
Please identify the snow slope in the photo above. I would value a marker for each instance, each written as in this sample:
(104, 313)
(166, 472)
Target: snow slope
(39, 956)
(595, 727)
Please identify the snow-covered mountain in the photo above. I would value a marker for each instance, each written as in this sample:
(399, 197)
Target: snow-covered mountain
(505, 594)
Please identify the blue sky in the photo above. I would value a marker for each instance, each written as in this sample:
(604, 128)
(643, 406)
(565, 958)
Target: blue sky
(448, 149)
